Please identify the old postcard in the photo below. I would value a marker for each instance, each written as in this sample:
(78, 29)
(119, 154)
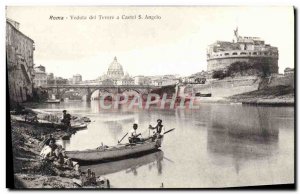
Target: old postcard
(159, 97)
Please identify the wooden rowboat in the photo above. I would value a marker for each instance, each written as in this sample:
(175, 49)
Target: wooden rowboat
(52, 101)
(127, 165)
(45, 123)
(115, 152)
(78, 125)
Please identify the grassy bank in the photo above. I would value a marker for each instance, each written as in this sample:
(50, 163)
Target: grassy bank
(30, 170)
(279, 95)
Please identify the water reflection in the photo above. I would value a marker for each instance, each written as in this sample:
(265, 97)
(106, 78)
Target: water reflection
(130, 166)
(216, 145)
(64, 143)
(242, 134)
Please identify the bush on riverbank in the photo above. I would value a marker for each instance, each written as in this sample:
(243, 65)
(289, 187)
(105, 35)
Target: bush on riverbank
(277, 92)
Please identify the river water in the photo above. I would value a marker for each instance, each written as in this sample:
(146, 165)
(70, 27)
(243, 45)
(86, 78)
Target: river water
(217, 145)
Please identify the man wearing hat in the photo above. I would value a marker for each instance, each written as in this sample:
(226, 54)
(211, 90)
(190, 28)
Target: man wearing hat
(159, 128)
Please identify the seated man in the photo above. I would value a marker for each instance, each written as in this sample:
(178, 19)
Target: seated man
(66, 118)
(133, 138)
(47, 140)
(49, 151)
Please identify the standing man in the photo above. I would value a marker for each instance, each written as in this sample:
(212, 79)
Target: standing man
(133, 138)
(159, 129)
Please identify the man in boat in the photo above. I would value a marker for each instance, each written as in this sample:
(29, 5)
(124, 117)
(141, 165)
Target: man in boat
(134, 137)
(66, 118)
(159, 129)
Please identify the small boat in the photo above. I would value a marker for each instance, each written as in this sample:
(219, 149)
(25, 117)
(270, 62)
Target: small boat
(115, 152)
(45, 123)
(203, 95)
(52, 101)
(78, 125)
(127, 164)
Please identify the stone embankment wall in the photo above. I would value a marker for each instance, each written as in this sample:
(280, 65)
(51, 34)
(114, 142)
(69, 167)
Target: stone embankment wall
(232, 86)
(227, 87)
(281, 81)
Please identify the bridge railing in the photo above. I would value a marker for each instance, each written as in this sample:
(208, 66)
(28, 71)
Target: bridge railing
(99, 86)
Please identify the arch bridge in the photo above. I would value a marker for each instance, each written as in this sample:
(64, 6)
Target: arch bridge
(88, 90)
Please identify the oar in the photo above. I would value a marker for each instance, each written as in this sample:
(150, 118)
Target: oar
(169, 131)
(123, 138)
(168, 159)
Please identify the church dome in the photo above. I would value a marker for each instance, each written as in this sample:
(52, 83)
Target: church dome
(115, 69)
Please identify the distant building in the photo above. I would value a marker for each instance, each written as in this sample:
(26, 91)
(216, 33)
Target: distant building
(107, 82)
(19, 62)
(57, 81)
(115, 75)
(40, 68)
(61, 81)
(142, 80)
(222, 54)
(40, 78)
(164, 80)
(168, 82)
(197, 78)
(126, 80)
(70, 80)
(289, 71)
(115, 69)
(90, 82)
(139, 80)
(157, 82)
(77, 79)
(50, 76)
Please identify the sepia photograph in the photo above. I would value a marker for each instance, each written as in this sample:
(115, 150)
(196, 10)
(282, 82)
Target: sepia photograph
(150, 97)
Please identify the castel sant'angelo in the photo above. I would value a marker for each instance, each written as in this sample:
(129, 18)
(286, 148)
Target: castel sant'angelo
(222, 54)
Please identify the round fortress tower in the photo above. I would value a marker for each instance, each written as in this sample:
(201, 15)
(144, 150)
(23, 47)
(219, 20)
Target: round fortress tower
(222, 54)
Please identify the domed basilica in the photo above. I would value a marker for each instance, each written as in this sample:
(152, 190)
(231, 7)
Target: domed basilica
(115, 69)
(115, 75)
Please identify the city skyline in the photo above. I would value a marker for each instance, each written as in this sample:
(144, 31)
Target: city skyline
(174, 44)
(112, 96)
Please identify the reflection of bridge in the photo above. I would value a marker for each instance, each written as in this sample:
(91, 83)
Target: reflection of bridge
(88, 90)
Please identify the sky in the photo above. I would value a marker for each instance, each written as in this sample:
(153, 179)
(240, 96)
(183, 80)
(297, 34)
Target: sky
(174, 44)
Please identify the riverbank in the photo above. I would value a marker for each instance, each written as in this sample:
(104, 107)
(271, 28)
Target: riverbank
(29, 170)
(271, 96)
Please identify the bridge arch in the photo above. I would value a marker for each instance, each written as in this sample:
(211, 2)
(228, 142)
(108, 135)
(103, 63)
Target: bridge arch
(121, 91)
(101, 90)
(88, 90)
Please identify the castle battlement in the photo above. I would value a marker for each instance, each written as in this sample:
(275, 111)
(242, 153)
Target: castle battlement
(221, 54)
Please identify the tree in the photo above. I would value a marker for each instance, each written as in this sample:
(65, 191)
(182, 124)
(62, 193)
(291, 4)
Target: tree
(219, 74)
